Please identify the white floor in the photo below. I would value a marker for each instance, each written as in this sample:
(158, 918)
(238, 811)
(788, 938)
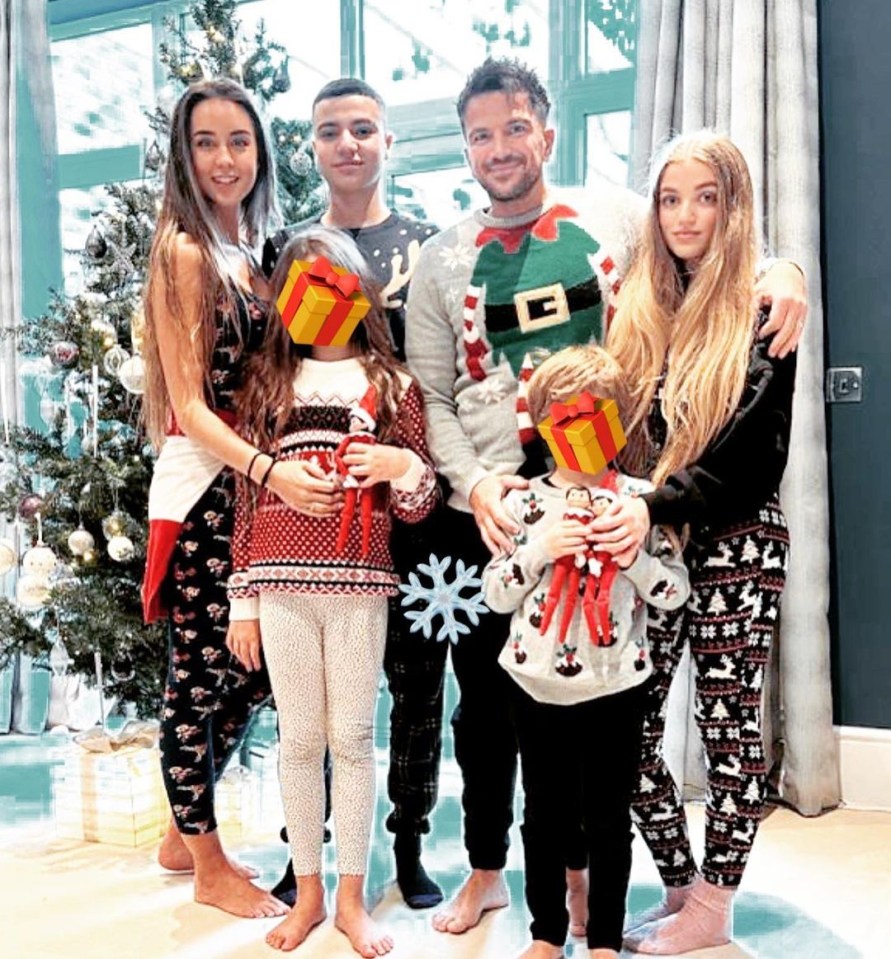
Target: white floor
(815, 889)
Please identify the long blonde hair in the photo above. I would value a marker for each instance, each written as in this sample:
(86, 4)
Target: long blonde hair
(267, 398)
(185, 210)
(702, 323)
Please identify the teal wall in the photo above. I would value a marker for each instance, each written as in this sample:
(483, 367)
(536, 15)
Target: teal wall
(856, 136)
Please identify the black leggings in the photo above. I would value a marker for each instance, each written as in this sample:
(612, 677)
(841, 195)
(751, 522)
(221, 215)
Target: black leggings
(210, 697)
(579, 761)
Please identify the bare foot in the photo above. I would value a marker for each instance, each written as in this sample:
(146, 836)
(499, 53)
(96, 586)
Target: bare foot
(175, 857)
(483, 890)
(577, 901)
(365, 935)
(308, 912)
(539, 949)
(228, 890)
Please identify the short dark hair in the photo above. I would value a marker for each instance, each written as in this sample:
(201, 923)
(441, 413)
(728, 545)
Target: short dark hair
(348, 87)
(505, 75)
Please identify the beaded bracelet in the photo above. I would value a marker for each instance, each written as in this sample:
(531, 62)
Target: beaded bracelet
(268, 471)
(247, 472)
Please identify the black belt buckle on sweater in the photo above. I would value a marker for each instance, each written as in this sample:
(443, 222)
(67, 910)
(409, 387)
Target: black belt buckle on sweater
(540, 308)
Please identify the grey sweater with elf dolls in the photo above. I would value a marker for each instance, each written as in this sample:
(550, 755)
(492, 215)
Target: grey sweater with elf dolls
(577, 669)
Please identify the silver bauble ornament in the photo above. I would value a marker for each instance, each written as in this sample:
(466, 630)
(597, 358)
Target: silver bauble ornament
(114, 524)
(7, 556)
(114, 359)
(132, 375)
(39, 560)
(31, 591)
(80, 541)
(300, 163)
(95, 244)
(121, 549)
(153, 157)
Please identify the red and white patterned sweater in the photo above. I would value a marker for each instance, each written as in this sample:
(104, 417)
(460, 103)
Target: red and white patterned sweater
(276, 548)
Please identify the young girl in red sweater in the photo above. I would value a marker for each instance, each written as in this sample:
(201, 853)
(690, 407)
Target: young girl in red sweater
(310, 585)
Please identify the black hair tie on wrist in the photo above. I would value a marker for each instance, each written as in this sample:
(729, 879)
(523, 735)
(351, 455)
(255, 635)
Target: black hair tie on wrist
(268, 471)
(247, 472)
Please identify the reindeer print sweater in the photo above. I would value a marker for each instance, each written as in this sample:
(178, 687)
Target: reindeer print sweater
(579, 667)
(391, 250)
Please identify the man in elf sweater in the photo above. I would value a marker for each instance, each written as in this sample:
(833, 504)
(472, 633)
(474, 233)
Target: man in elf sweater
(534, 272)
(350, 141)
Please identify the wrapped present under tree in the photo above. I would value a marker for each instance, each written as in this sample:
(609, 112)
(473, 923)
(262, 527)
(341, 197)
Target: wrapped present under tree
(109, 789)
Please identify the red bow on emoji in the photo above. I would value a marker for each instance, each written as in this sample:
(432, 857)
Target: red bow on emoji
(345, 284)
(584, 403)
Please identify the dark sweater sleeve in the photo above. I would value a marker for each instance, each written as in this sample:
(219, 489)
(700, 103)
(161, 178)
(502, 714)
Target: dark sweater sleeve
(744, 464)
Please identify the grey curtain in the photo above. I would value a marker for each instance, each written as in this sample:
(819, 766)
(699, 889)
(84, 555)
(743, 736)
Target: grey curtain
(748, 68)
(10, 267)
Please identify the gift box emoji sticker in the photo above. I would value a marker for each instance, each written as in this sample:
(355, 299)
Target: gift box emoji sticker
(321, 304)
(583, 434)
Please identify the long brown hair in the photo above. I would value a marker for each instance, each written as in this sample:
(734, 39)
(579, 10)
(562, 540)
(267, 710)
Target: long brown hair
(702, 322)
(267, 398)
(185, 210)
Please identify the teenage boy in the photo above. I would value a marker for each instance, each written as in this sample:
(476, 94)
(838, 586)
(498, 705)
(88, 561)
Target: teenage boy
(350, 142)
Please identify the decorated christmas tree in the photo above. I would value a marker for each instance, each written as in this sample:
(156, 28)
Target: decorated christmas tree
(75, 494)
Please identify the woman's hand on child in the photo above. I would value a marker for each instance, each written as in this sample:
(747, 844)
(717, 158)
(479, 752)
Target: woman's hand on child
(372, 463)
(305, 486)
(622, 529)
(566, 538)
(243, 641)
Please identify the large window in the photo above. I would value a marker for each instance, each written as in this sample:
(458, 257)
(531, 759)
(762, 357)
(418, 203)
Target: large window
(106, 74)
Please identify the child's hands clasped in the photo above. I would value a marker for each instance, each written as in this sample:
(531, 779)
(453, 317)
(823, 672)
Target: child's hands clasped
(305, 486)
(372, 463)
(566, 538)
(243, 641)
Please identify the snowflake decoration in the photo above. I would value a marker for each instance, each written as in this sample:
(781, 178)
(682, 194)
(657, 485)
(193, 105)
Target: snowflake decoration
(122, 261)
(491, 391)
(443, 598)
(456, 256)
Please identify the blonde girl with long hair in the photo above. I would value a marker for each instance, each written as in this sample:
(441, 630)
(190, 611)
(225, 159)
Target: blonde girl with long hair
(311, 585)
(205, 311)
(709, 424)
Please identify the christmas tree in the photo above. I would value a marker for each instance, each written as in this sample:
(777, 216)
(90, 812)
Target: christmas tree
(76, 494)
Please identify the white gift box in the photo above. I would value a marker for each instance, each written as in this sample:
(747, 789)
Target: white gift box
(115, 797)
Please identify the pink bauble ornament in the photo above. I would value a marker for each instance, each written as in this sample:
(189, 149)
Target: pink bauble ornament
(31, 505)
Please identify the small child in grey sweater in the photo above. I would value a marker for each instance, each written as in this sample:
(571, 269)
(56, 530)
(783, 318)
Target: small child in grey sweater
(578, 655)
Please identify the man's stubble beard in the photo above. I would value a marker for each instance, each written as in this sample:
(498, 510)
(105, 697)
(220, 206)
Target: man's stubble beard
(525, 186)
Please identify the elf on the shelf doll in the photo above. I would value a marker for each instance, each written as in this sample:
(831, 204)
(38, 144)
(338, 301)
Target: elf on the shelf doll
(598, 567)
(363, 422)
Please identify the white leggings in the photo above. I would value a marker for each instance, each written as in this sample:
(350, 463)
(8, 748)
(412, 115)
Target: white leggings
(324, 655)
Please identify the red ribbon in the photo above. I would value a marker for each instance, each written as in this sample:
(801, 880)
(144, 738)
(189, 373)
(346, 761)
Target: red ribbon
(345, 284)
(560, 412)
